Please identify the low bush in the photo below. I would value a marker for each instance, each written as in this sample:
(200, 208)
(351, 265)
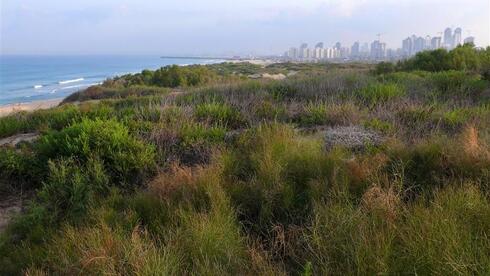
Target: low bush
(19, 170)
(219, 114)
(380, 93)
(69, 190)
(126, 158)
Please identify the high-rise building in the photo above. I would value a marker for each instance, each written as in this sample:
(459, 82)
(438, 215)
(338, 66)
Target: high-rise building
(338, 45)
(457, 37)
(303, 51)
(354, 50)
(330, 53)
(418, 45)
(407, 45)
(469, 39)
(428, 44)
(344, 52)
(293, 53)
(365, 48)
(448, 38)
(378, 50)
(435, 42)
(318, 53)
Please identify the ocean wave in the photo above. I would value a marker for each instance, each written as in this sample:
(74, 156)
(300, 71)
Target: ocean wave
(37, 86)
(70, 81)
(79, 85)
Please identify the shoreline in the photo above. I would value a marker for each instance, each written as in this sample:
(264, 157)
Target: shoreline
(12, 108)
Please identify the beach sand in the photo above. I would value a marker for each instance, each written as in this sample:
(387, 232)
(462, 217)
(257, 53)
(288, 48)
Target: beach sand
(35, 105)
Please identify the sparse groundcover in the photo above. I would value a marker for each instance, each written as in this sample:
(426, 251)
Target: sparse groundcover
(352, 137)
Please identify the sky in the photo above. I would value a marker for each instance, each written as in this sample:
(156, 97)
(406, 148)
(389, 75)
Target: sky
(225, 27)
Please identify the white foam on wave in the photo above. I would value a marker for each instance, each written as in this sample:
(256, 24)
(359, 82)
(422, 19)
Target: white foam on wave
(79, 85)
(38, 86)
(70, 81)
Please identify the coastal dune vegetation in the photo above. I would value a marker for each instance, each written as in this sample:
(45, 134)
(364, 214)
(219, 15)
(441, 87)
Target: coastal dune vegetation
(201, 170)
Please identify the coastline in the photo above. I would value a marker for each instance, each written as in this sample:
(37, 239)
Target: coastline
(30, 106)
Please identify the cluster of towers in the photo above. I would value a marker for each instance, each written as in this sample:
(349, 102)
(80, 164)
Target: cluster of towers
(450, 40)
(319, 52)
(377, 50)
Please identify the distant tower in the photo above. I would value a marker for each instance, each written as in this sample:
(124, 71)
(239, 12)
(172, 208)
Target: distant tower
(338, 46)
(303, 51)
(436, 42)
(457, 37)
(318, 51)
(354, 50)
(428, 44)
(448, 38)
(293, 53)
(419, 45)
(365, 48)
(378, 50)
(407, 46)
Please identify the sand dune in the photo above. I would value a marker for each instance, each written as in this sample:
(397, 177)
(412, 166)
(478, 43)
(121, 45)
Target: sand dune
(12, 108)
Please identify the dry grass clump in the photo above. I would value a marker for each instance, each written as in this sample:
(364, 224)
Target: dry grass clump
(382, 202)
(100, 249)
(365, 167)
(177, 180)
(472, 145)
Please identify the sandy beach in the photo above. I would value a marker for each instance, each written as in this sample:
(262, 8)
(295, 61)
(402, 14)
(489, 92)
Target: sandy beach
(35, 105)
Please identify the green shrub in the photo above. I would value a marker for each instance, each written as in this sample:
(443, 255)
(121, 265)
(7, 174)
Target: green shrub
(66, 193)
(379, 93)
(457, 83)
(314, 114)
(281, 90)
(220, 114)
(384, 68)
(193, 133)
(19, 170)
(13, 124)
(125, 157)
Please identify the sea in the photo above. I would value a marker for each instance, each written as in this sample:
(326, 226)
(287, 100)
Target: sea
(25, 79)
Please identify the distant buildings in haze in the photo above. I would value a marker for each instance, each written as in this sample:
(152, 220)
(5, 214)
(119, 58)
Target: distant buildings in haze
(377, 50)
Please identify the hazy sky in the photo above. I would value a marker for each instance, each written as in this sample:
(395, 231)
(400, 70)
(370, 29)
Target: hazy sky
(225, 26)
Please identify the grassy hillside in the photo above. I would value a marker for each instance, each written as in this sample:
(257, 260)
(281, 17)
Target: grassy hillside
(201, 170)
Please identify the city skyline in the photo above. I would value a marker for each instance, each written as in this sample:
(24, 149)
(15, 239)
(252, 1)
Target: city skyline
(378, 50)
